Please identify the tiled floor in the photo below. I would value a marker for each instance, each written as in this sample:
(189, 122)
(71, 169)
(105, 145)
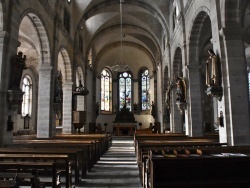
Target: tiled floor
(117, 168)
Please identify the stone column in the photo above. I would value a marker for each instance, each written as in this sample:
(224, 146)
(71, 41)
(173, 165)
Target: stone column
(44, 123)
(235, 87)
(5, 138)
(67, 108)
(195, 124)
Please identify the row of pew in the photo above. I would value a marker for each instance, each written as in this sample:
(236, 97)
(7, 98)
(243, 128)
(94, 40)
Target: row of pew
(63, 159)
(176, 160)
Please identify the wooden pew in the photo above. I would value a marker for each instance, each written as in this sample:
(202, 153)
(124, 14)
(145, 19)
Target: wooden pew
(144, 145)
(61, 161)
(75, 156)
(104, 139)
(19, 179)
(8, 183)
(88, 147)
(198, 171)
(93, 147)
(151, 136)
(31, 166)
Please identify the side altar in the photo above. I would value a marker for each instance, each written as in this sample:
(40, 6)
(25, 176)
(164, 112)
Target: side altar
(124, 123)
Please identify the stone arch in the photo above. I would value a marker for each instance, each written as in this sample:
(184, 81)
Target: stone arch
(44, 46)
(65, 65)
(200, 17)
(178, 118)
(37, 48)
(177, 63)
(200, 34)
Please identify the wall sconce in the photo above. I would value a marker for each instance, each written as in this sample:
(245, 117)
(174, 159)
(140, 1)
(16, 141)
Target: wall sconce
(215, 91)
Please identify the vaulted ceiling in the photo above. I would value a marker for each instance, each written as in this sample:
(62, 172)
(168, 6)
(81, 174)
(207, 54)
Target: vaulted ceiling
(139, 25)
(143, 27)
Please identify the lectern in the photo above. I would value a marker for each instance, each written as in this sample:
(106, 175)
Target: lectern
(79, 119)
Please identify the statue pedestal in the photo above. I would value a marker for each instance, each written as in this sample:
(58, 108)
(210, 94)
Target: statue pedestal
(215, 91)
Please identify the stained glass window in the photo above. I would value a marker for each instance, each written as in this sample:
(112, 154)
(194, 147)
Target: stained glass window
(125, 88)
(27, 97)
(145, 96)
(106, 90)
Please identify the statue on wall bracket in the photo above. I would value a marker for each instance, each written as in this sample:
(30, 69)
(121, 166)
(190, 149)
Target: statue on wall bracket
(213, 76)
(180, 93)
(58, 98)
(15, 94)
(168, 95)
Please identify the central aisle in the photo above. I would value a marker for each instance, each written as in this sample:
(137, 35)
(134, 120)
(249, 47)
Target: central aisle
(116, 168)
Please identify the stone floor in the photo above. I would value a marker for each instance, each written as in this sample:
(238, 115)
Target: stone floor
(116, 168)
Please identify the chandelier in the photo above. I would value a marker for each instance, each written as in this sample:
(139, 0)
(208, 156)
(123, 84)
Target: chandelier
(121, 66)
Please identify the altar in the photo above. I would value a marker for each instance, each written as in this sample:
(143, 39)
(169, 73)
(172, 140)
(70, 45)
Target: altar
(124, 123)
(124, 129)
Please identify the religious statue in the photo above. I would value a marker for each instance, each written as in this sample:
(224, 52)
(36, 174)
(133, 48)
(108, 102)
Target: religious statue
(153, 112)
(212, 69)
(10, 124)
(181, 89)
(58, 90)
(18, 65)
(168, 92)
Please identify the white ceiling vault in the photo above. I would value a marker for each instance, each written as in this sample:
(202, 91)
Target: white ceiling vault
(143, 28)
(98, 22)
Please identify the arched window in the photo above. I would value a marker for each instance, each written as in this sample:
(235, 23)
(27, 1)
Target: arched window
(106, 90)
(145, 96)
(176, 13)
(125, 89)
(27, 97)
